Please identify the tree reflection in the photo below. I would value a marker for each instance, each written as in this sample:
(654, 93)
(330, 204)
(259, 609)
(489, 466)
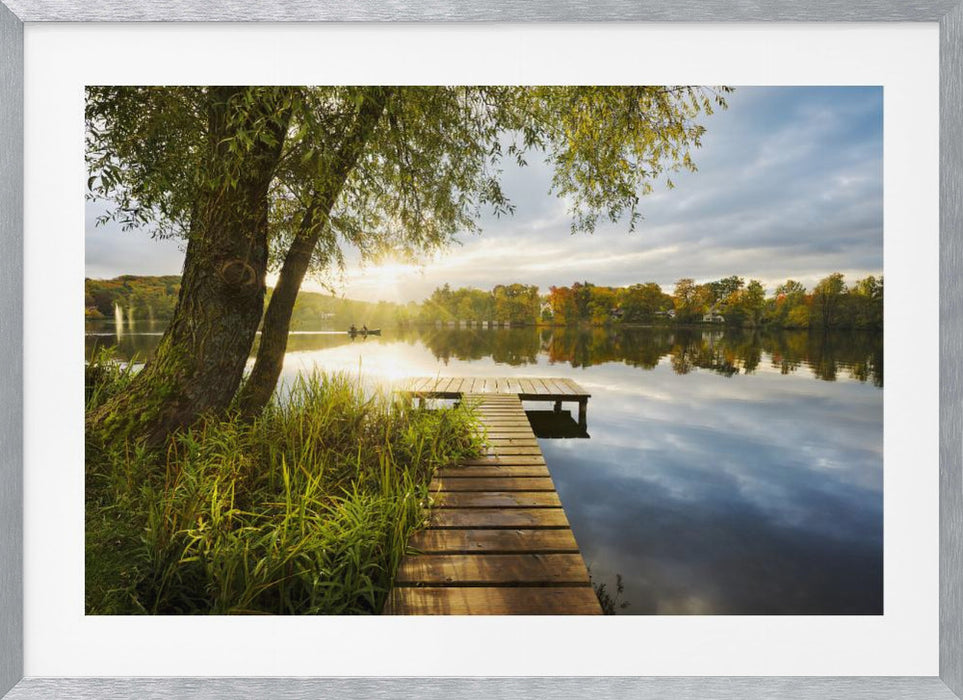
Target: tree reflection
(728, 352)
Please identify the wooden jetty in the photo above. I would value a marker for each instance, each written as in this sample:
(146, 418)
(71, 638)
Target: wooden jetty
(554, 389)
(498, 541)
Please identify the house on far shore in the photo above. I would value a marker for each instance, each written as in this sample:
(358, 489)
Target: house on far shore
(713, 317)
(665, 314)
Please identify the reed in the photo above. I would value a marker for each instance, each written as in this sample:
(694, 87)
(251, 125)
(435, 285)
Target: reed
(306, 510)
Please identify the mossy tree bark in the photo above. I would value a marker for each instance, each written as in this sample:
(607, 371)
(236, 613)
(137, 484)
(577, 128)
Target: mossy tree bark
(260, 385)
(199, 362)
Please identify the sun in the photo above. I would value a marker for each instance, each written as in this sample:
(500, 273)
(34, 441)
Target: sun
(382, 282)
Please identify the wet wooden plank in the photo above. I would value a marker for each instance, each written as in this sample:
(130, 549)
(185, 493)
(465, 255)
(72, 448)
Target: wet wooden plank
(497, 518)
(496, 499)
(487, 569)
(494, 541)
(579, 600)
(498, 483)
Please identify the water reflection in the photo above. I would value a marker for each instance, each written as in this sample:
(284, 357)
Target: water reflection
(719, 477)
(829, 356)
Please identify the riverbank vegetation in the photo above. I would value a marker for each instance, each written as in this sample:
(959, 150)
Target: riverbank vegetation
(831, 304)
(306, 509)
(730, 301)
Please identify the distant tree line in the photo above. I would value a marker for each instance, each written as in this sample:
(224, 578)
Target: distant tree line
(729, 301)
(518, 304)
(137, 297)
(152, 297)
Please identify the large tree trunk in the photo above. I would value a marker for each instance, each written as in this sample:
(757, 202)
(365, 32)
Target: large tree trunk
(260, 385)
(198, 364)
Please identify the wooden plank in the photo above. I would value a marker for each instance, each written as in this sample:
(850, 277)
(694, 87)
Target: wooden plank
(525, 440)
(580, 600)
(505, 460)
(507, 431)
(562, 387)
(505, 450)
(474, 472)
(486, 569)
(576, 389)
(500, 483)
(456, 384)
(496, 499)
(492, 518)
(493, 541)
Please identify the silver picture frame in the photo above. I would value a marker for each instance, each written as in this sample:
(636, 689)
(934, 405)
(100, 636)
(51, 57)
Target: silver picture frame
(949, 15)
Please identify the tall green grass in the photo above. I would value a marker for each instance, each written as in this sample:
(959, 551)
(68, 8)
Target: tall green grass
(307, 510)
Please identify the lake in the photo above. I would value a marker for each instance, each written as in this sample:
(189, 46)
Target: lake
(725, 472)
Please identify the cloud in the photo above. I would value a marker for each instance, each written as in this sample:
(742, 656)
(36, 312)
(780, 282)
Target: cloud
(790, 184)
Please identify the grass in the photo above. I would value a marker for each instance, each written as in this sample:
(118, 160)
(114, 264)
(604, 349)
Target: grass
(307, 510)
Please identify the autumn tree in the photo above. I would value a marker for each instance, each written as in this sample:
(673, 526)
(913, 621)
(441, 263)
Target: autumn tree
(688, 303)
(828, 300)
(285, 178)
(640, 302)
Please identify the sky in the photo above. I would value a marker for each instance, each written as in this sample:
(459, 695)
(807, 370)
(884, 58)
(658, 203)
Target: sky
(789, 185)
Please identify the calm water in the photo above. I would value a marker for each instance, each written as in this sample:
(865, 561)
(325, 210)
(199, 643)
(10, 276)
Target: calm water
(731, 473)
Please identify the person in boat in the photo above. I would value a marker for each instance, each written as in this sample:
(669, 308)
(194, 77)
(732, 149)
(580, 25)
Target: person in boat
(364, 329)
(353, 329)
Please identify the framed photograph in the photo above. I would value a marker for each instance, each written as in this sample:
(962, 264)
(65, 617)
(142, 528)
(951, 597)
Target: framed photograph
(651, 386)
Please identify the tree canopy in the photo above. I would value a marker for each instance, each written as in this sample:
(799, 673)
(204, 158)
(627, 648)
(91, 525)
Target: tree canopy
(427, 171)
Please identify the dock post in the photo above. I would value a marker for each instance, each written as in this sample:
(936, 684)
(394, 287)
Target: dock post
(582, 410)
(558, 406)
